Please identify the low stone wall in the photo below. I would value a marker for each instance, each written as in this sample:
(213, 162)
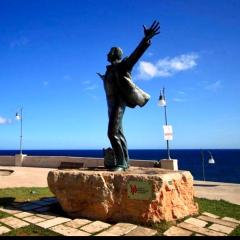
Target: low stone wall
(7, 160)
(55, 161)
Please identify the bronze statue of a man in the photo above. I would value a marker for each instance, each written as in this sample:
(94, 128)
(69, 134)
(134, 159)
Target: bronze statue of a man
(121, 92)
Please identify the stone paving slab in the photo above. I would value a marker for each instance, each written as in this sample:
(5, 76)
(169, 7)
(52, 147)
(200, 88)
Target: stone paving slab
(14, 222)
(77, 223)
(10, 210)
(95, 227)
(53, 222)
(221, 228)
(218, 221)
(50, 200)
(200, 230)
(34, 219)
(29, 207)
(196, 222)
(177, 231)
(231, 220)
(47, 215)
(105, 234)
(118, 229)
(68, 231)
(210, 215)
(23, 214)
(42, 209)
(4, 229)
(142, 231)
(42, 203)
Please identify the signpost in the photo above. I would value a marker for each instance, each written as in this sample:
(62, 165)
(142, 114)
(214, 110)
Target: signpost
(168, 132)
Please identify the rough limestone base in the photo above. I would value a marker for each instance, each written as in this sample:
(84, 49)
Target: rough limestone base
(102, 195)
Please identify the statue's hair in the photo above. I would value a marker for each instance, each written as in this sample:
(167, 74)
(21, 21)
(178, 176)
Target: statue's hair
(117, 51)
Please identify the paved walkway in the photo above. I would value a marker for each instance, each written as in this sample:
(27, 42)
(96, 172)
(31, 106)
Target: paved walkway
(39, 213)
(37, 177)
(229, 192)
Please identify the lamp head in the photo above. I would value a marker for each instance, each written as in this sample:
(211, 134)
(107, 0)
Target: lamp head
(162, 100)
(211, 159)
(18, 116)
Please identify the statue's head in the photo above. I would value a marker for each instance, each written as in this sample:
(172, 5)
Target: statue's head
(115, 54)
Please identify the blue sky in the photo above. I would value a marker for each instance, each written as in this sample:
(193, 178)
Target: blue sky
(51, 50)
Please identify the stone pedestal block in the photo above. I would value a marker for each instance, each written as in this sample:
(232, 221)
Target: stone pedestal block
(19, 159)
(171, 164)
(138, 195)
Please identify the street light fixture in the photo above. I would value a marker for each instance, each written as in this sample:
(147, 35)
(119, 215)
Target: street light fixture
(19, 116)
(163, 103)
(210, 161)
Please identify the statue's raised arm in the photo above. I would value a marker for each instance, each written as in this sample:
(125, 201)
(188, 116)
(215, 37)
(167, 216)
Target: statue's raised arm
(144, 44)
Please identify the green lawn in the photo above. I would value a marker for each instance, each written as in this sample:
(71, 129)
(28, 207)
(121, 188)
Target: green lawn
(222, 209)
(31, 230)
(15, 195)
(10, 195)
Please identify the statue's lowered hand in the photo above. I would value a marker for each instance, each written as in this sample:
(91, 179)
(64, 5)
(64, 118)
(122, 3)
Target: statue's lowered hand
(152, 31)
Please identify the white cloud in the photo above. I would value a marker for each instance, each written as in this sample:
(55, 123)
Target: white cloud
(182, 92)
(45, 83)
(91, 87)
(22, 41)
(86, 82)
(214, 86)
(166, 67)
(67, 77)
(4, 121)
(178, 100)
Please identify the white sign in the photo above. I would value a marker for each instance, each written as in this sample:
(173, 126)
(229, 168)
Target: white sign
(168, 133)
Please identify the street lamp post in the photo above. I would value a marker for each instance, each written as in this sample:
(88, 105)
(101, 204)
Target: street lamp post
(162, 102)
(210, 161)
(19, 116)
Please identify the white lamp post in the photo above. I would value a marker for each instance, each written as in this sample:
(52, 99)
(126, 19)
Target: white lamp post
(168, 163)
(210, 161)
(19, 116)
(162, 103)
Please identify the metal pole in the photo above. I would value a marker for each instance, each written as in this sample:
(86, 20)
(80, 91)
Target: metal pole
(166, 123)
(203, 170)
(21, 132)
(168, 150)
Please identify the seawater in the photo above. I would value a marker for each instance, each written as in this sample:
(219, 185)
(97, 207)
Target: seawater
(225, 169)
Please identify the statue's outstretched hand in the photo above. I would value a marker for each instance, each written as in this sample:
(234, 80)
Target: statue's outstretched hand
(152, 31)
(101, 76)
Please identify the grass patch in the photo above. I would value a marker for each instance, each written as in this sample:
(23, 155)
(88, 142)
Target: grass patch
(162, 227)
(31, 230)
(220, 208)
(10, 195)
(4, 215)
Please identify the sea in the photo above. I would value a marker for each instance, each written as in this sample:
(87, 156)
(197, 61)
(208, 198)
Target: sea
(225, 169)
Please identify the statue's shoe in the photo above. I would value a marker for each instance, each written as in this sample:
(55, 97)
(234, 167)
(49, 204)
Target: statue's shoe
(118, 169)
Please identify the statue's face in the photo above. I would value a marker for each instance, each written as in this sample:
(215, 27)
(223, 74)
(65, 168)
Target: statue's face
(114, 55)
(111, 56)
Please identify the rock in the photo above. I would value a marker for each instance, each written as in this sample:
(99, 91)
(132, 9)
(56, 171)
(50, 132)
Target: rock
(138, 195)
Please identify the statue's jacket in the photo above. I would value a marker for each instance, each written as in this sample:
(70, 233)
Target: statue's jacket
(118, 82)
